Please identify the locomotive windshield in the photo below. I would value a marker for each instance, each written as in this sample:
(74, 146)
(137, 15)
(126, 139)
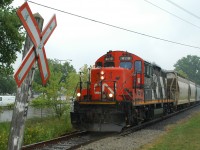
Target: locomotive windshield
(127, 65)
(109, 64)
(99, 64)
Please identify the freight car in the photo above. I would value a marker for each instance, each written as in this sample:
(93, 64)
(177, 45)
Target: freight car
(124, 90)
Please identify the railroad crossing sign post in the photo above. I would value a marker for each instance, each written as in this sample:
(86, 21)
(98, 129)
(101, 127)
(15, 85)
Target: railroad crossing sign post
(37, 51)
(32, 52)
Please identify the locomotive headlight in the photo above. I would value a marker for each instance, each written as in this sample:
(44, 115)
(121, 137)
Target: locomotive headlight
(78, 94)
(110, 95)
(102, 77)
(102, 72)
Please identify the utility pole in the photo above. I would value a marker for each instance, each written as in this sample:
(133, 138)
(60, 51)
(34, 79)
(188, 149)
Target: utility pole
(22, 98)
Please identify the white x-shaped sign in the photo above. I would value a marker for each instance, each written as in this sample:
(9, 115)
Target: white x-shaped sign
(37, 51)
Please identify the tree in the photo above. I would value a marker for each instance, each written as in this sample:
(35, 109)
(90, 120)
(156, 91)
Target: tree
(4, 3)
(51, 91)
(84, 75)
(71, 83)
(190, 66)
(7, 85)
(11, 36)
(65, 70)
(60, 83)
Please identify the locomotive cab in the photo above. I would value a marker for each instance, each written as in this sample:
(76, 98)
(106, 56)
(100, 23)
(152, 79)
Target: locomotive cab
(114, 77)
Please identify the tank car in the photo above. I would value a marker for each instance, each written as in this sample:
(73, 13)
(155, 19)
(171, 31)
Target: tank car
(124, 90)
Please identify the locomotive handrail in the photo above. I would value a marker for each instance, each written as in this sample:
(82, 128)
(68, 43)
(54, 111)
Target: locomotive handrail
(128, 94)
(81, 87)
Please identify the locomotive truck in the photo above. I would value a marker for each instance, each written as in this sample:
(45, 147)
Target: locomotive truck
(125, 90)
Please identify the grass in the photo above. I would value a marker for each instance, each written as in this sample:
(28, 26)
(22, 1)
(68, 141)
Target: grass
(4, 133)
(37, 129)
(185, 135)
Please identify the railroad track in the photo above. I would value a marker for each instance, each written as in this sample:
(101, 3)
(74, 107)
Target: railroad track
(42, 144)
(80, 138)
(68, 142)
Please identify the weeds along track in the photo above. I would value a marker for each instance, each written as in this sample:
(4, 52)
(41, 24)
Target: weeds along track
(80, 138)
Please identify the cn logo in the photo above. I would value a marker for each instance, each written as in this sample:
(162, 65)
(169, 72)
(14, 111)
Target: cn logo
(104, 85)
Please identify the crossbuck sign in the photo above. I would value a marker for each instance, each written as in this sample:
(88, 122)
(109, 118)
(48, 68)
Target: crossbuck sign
(37, 51)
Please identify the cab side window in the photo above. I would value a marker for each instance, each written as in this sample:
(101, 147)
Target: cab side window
(138, 66)
(148, 70)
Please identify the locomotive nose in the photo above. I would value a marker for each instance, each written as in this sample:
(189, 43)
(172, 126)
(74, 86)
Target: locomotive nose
(104, 87)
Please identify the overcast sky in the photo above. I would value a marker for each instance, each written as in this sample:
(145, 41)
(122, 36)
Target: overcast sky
(85, 41)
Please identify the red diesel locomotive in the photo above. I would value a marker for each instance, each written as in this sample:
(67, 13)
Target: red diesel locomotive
(123, 90)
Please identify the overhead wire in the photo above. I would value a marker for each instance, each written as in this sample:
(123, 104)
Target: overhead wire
(114, 26)
(172, 14)
(185, 10)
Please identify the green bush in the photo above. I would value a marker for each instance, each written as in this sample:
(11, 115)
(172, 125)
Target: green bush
(38, 129)
(35, 134)
(10, 106)
(40, 103)
(60, 107)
